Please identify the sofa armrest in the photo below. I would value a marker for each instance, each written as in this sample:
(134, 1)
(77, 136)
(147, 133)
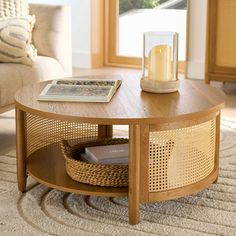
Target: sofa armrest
(52, 33)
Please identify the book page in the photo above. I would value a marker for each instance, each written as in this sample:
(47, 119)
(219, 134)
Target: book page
(85, 82)
(78, 91)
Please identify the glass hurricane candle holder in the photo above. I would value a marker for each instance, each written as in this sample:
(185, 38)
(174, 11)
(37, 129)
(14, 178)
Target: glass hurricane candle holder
(160, 62)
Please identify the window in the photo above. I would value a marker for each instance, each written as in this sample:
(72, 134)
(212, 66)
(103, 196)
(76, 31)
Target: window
(126, 20)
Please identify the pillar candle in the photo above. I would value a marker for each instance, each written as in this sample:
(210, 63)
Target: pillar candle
(160, 63)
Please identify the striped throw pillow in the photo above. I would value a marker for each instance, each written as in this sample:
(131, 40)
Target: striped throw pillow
(15, 40)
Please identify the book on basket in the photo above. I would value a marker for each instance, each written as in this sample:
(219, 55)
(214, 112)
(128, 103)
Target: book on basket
(81, 89)
(108, 154)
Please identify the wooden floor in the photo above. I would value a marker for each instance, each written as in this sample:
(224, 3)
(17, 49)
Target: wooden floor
(7, 119)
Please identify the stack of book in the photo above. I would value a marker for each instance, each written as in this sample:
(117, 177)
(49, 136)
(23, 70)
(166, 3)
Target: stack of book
(109, 154)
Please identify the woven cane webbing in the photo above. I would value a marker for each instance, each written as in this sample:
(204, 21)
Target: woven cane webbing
(181, 157)
(41, 132)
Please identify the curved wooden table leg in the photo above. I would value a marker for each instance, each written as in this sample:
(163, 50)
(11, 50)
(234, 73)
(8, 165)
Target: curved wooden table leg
(215, 182)
(105, 131)
(134, 174)
(20, 150)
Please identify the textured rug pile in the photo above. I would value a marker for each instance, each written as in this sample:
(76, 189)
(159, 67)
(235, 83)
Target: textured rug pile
(45, 211)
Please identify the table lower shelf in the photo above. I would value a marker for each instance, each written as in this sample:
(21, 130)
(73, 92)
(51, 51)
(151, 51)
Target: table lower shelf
(47, 166)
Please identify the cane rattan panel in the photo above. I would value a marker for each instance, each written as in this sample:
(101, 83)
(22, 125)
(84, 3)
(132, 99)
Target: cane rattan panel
(181, 157)
(41, 131)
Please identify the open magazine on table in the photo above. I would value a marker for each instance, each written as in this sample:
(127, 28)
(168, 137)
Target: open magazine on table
(81, 89)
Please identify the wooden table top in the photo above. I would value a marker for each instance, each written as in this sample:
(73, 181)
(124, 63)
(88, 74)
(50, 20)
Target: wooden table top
(130, 105)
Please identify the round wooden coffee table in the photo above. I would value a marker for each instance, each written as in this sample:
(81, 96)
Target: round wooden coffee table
(173, 139)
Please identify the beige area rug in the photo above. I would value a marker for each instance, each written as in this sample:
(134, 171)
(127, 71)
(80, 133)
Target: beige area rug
(44, 211)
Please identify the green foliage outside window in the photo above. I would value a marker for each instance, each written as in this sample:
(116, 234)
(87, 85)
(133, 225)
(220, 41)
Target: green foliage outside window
(126, 5)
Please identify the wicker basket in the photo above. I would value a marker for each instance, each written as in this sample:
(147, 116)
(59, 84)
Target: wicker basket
(94, 174)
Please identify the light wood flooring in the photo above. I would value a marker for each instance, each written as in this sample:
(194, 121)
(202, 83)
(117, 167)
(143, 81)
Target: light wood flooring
(7, 119)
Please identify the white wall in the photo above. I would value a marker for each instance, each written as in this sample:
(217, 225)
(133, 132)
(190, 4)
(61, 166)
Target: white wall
(197, 39)
(80, 29)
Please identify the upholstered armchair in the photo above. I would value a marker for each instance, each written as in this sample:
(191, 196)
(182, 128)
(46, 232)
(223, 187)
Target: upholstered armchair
(52, 38)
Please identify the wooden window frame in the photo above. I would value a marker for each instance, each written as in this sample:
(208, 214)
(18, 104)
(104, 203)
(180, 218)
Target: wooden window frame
(104, 27)
(111, 38)
(97, 33)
